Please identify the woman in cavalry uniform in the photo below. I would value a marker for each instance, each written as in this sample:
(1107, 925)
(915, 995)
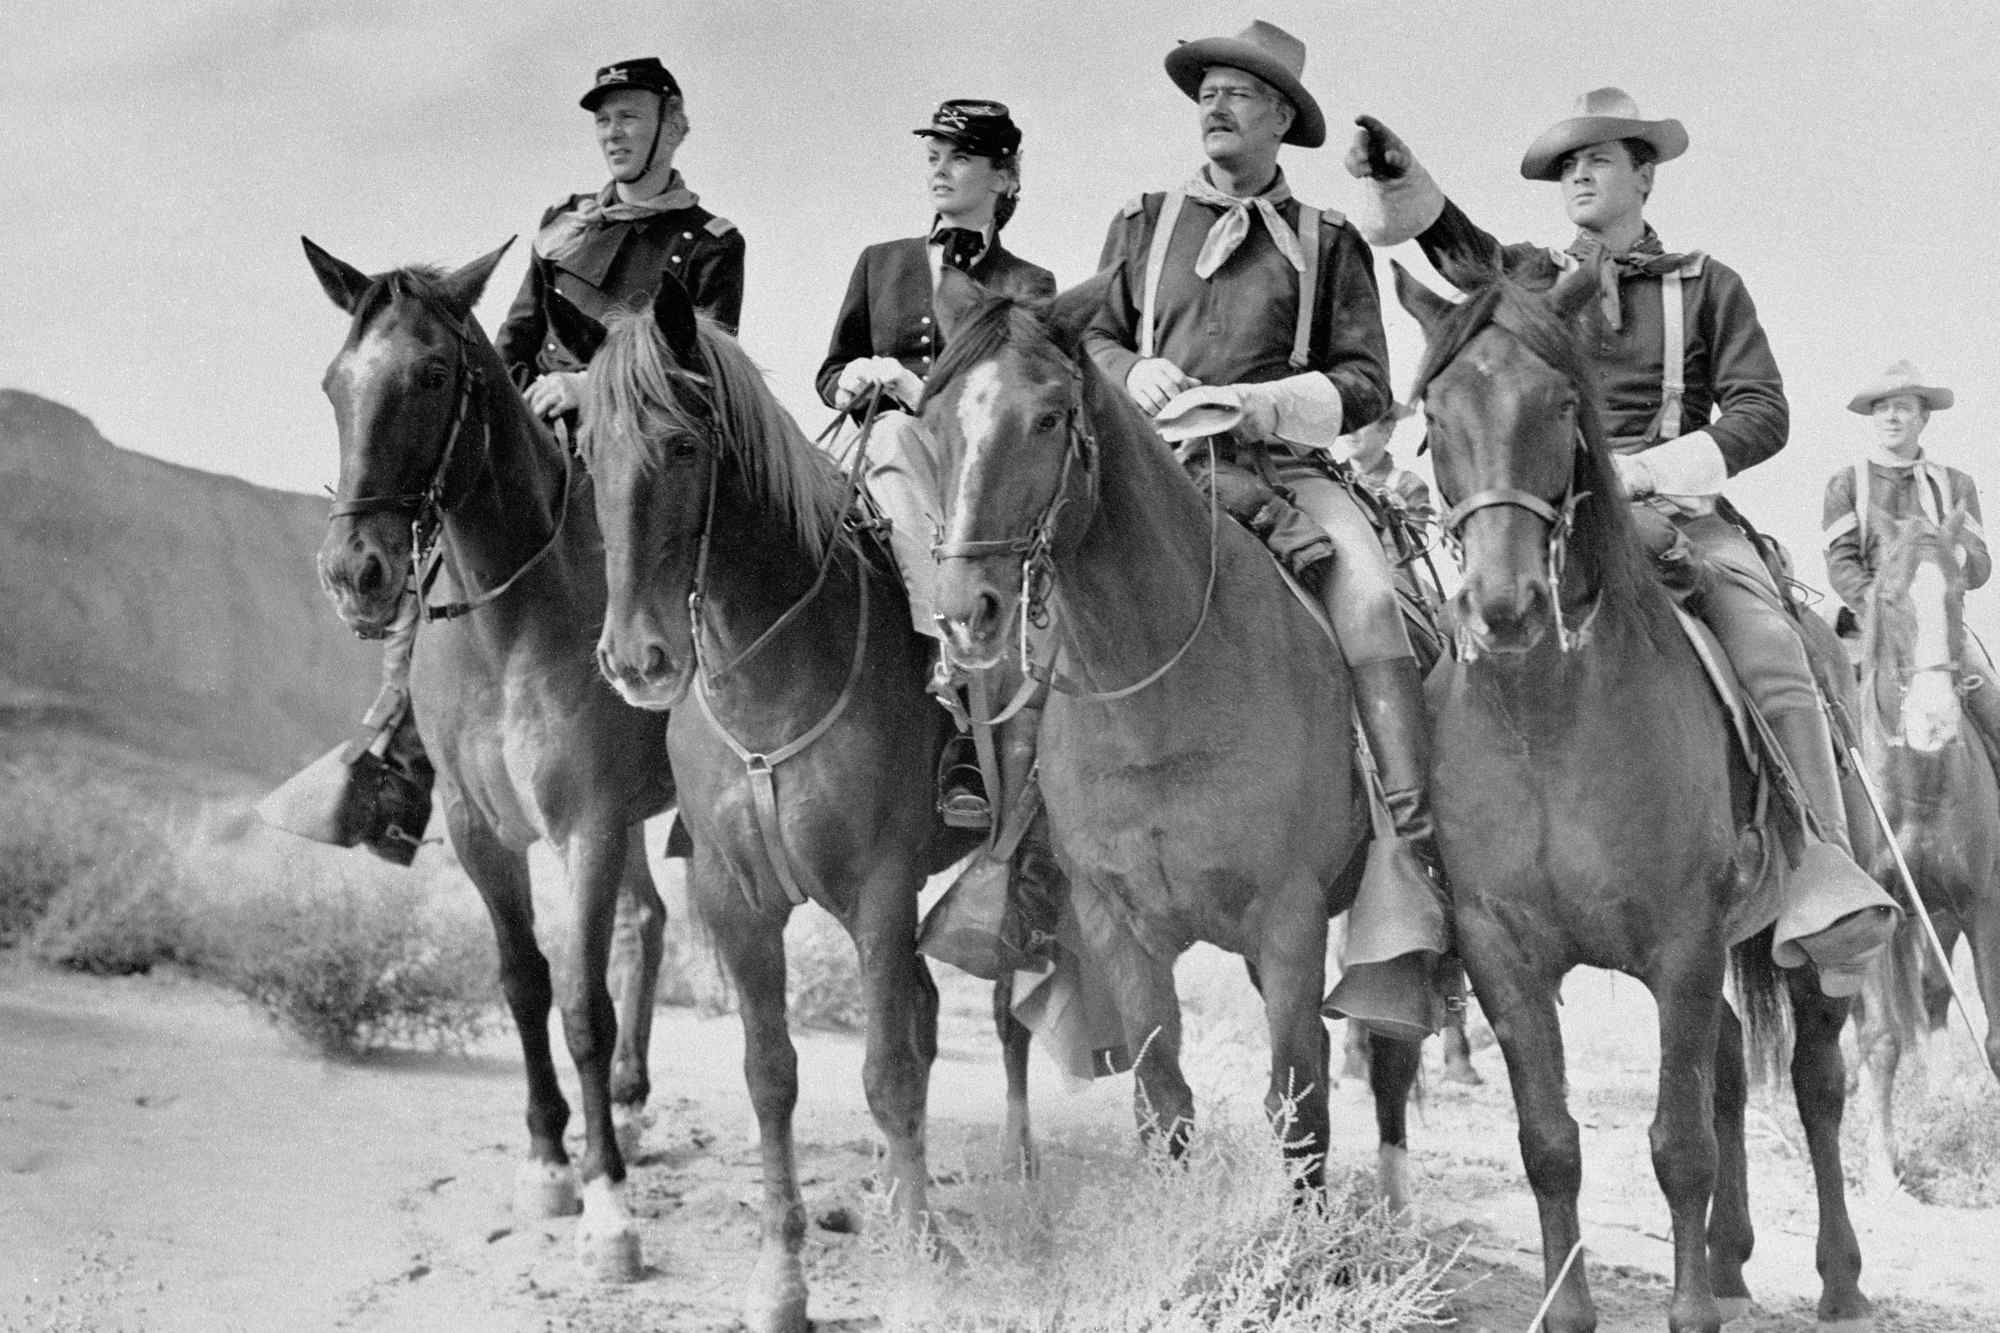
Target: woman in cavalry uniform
(1691, 396)
(884, 343)
(1897, 481)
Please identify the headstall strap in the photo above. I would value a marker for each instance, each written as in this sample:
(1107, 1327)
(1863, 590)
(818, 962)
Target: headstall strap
(1561, 521)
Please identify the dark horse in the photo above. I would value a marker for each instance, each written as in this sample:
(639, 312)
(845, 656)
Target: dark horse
(1200, 776)
(1589, 802)
(806, 756)
(528, 743)
(1937, 786)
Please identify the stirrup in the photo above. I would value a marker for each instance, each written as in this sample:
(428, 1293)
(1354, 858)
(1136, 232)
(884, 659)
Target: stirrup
(961, 794)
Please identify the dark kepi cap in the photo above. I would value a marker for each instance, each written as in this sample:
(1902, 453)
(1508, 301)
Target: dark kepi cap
(645, 72)
(977, 126)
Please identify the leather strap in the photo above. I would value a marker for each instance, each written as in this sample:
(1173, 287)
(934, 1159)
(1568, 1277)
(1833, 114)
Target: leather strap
(1156, 264)
(1309, 219)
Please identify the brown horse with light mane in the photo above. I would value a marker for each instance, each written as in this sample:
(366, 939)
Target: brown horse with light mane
(1589, 805)
(436, 445)
(1197, 756)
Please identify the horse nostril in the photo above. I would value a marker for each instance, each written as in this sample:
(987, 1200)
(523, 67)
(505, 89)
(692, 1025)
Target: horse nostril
(985, 613)
(372, 579)
(655, 662)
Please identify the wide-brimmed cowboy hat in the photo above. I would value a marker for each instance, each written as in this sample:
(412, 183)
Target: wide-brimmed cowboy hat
(1900, 378)
(1600, 115)
(1263, 49)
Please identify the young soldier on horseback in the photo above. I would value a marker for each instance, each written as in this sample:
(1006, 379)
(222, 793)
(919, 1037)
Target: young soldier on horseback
(1691, 396)
(884, 343)
(1898, 481)
(599, 250)
(1232, 299)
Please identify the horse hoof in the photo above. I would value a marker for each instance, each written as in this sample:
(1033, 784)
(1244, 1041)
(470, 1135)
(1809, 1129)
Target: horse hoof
(1464, 1074)
(1733, 1308)
(1864, 1323)
(545, 1189)
(611, 1257)
(786, 1314)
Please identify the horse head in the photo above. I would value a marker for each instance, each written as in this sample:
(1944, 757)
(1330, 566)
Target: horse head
(648, 442)
(1916, 633)
(405, 390)
(1017, 463)
(1510, 425)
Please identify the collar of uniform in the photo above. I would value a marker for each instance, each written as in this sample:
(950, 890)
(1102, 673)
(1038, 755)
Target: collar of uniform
(939, 226)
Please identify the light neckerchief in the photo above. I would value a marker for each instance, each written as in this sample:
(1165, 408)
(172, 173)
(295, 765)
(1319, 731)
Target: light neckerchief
(1233, 227)
(564, 236)
(1884, 458)
(1646, 258)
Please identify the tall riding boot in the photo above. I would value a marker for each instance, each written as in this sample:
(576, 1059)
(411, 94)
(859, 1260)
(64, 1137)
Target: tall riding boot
(1833, 915)
(373, 789)
(1397, 927)
(1000, 914)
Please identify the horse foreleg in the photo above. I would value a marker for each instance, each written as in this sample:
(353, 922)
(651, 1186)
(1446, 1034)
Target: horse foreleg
(1392, 1073)
(1688, 990)
(607, 1242)
(1820, 1085)
(1520, 1001)
(1162, 1102)
(1984, 934)
(1017, 1145)
(1879, 1048)
(544, 1186)
(1731, 1237)
(902, 1032)
(1291, 970)
(637, 942)
(752, 946)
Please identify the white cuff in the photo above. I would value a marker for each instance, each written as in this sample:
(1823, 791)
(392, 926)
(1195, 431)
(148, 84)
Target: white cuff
(1392, 212)
(1691, 465)
(1307, 409)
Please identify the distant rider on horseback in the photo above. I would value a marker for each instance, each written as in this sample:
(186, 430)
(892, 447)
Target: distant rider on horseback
(599, 250)
(1233, 301)
(1898, 480)
(1691, 395)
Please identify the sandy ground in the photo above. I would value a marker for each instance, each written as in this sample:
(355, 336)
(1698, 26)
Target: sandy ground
(169, 1161)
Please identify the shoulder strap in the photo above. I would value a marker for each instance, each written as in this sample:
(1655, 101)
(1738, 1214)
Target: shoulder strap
(1309, 222)
(1673, 355)
(719, 227)
(1156, 264)
(1864, 500)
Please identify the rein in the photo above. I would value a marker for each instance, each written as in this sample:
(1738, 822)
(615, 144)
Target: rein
(429, 507)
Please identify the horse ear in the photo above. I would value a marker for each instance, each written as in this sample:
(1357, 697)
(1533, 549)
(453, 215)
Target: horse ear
(1070, 312)
(673, 312)
(464, 287)
(1574, 291)
(571, 327)
(1425, 306)
(343, 282)
(958, 299)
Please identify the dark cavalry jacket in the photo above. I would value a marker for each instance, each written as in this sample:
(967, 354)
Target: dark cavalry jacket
(1895, 493)
(620, 263)
(887, 309)
(1730, 373)
(1237, 327)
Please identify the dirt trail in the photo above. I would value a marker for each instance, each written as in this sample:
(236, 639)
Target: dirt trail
(168, 1161)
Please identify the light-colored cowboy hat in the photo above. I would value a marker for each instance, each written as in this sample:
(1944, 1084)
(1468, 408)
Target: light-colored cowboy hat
(1601, 114)
(1899, 378)
(1263, 49)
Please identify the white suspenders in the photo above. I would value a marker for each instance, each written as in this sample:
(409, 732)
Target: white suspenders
(1156, 264)
(1673, 340)
(1930, 495)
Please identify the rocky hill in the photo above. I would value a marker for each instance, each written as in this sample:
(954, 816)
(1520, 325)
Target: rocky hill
(169, 608)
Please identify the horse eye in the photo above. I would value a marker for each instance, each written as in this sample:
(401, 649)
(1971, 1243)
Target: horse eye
(436, 376)
(1048, 422)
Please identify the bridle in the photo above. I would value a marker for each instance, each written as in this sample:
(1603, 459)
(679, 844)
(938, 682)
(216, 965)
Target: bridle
(428, 507)
(1045, 540)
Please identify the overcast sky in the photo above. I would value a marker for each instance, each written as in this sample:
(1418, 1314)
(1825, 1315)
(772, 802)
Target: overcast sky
(160, 162)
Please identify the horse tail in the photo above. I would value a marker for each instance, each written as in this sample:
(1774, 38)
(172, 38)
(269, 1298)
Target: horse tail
(1763, 999)
(1902, 987)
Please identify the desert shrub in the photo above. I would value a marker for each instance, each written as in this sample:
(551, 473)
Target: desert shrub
(822, 974)
(53, 832)
(349, 954)
(118, 911)
(1146, 1244)
(1949, 1126)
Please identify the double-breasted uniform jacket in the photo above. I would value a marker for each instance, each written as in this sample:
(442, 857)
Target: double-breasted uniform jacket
(887, 310)
(1238, 326)
(1734, 394)
(620, 263)
(1895, 493)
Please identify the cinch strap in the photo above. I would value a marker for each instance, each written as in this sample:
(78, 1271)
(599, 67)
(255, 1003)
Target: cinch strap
(1156, 266)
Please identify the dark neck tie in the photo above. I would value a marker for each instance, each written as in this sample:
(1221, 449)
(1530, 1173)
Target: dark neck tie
(961, 246)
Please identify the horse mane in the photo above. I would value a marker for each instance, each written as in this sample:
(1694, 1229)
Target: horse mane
(1603, 538)
(641, 396)
(1000, 321)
